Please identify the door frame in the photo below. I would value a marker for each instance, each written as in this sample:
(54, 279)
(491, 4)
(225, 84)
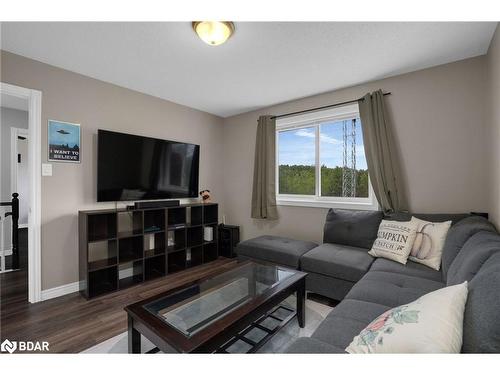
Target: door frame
(34, 98)
(14, 134)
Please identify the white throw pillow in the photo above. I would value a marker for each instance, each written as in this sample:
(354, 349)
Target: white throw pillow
(431, 324)
(394, 240)
(429, 241)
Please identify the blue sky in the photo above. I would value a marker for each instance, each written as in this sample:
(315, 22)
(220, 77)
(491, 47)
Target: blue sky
(297, 146)
(57, 138)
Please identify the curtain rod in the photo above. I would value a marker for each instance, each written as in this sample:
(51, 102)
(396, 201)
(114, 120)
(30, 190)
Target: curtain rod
(324, 107)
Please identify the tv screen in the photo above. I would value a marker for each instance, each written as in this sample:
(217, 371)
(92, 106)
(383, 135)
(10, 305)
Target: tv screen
(130, 167)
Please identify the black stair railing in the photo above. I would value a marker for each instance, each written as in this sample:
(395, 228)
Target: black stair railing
(15, 227)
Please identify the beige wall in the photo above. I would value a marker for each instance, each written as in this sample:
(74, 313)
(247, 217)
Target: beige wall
(439, 118)
(94, 104)
(493, 60)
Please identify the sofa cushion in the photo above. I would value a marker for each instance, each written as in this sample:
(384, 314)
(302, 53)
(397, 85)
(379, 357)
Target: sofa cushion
(307, 345)
(352, 228)
(346, 321)
(473, 255)
(391, 289)
(481, 323)
(328, 286)
(339, 261)
(280, 250)
(458, 235)
(410, 269)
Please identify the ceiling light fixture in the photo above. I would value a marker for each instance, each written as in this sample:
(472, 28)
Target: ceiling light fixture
(213, 33)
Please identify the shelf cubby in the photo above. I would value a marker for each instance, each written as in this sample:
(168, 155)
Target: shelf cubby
(195, 216)
(130, 223)
(101, 227)
(194, 236)
(102, 254)
(130, 248)
(209, 252)
(176, 239)
(176, 217)
(154, 244)
(210, 214)
(176, 261)
(154, 267)
(130, 273)
(214, 229)
(102, 281)
(154, 221)
(194, 257)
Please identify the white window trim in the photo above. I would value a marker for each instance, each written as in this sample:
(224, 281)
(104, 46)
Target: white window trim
(314, 119)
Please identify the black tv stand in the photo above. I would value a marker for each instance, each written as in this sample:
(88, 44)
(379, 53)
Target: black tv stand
(124, 247)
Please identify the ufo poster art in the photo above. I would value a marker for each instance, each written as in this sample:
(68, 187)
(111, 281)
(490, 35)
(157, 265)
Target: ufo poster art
(64, 141)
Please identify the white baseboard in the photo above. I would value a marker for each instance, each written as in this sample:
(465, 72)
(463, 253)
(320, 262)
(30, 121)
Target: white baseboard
(60, 290)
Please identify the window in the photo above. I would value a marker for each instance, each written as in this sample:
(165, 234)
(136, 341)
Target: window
(321, 160)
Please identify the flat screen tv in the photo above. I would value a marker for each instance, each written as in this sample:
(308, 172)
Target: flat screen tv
(131, 167)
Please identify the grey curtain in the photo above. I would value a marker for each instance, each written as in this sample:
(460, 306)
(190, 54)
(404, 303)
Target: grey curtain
(264, 186)
(384, 165)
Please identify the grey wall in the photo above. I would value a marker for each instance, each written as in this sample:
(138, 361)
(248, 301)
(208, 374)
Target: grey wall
(439, 120)
(9, 118)
(494, 122)
(71, 97)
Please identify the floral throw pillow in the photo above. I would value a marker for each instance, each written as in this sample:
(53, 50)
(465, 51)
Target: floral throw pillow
(429, 242)
(394, 240)
(431, 324)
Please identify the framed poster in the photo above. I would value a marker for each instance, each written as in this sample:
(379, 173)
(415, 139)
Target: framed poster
(64, 141)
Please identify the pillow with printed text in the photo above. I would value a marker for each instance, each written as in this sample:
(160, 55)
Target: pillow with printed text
(394, 240)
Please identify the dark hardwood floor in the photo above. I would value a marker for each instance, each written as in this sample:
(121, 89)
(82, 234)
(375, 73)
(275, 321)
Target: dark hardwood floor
(71, 323)
(14, 285)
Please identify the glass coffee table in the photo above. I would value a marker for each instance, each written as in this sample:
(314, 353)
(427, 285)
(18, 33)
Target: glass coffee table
(213, 314)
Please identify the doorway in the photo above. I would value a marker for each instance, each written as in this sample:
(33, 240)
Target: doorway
(20, 170)
(14, 122)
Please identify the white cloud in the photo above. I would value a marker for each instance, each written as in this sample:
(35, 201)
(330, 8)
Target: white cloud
(305, 133)
(328, 139)
(309, 133)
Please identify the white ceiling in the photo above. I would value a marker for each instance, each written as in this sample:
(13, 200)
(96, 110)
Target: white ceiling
(262, 64)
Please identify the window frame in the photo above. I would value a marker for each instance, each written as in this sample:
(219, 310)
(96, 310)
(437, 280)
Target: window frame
(315, 119)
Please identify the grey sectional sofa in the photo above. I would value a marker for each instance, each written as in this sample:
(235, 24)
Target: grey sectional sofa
(342, 269)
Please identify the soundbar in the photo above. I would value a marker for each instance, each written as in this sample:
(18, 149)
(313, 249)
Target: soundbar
(157, 204)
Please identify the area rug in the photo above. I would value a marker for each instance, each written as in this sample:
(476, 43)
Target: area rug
(315, 313)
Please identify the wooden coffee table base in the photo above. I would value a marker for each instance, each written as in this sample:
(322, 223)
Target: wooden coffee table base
(254, 346)
(238, 332)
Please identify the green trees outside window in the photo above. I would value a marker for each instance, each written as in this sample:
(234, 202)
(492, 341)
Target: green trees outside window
(300, 180)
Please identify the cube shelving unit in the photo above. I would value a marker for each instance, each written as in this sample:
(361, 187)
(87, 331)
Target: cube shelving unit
(122, 248)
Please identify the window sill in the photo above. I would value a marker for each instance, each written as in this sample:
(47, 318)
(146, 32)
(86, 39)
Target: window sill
(327, 204)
